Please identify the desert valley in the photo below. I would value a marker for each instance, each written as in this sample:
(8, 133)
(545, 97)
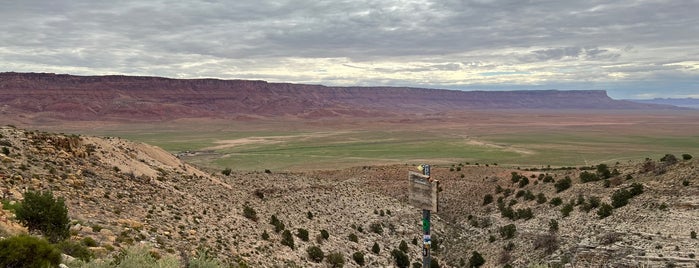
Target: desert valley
(259, 174)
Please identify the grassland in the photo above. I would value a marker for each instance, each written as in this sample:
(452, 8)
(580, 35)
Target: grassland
(506, 139)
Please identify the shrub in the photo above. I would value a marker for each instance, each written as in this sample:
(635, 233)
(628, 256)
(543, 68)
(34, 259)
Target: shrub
(434, 263)
(302, 234)
(669, 158)
(508, 231)
(375, 248)
(278, 225)
(556, 201)
(265, 235)
(226, 172)
(686, 156)
(524, 214)
(376, 228)
(603, 171)
(553, 225)
(565, 211)
(605, 210)
(401, 259)
(89, 242)
(549, 242)
(620, 198)
(588, 177)
(476, 260)
(315, 253)
(309, 215)
(5, 151)
(28, 251)
(41, 211)
(202, 260)
(562, 185)
(287, 239)
(540, 198)
(358, 257)
(693, 235)
(324, 234)
(76, 250)
(523, 182)
(487, 199)
(336, 259)
(249, 212)
(353, 237)
(685, 183)
(636, 189)
(403, 246)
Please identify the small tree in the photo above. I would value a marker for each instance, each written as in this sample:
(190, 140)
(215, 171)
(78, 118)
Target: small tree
(324, 234)
(487, 199)
(249, 212)
(686, 156)
(40, 211)
(565, 211)
(315, 253)
(508, 231)
(353, 237)
(302, 234)
(562, 185)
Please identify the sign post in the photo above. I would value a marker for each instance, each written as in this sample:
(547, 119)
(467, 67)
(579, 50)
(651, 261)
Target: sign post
(424, 192)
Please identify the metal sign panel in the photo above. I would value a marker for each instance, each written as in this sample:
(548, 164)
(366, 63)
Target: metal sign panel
(422, 192)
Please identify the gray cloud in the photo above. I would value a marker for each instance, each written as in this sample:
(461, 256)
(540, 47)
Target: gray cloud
(311, 40)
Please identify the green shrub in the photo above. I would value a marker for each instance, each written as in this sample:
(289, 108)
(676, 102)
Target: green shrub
(249, 212)
(686, 156)
(89, 242)
(588, 177)
(605, 210)
(28, 251)
(287, 239)
(353, 237)
(226, 171)
(324, 234)
(516, 177)
(335, 259)
(434, 263)
(563, 184)
(41, 211)
(603, 171)
(476, 260)
(358, 257)
(375, 248)
(376, 228)
(302, 234)
(669, 158)
(541, 198)
(636, 189)
(523, 182)
(693, 235)
(203, 260)
(553, 225)
(620, 198)
(278, 225)
(401, 259)
(265, 235)
(5, 151)
(556, 201)
(565, 211)
(315, 253)
(508, 231)
(309, 215)
(487, 199)
(403, 246)
(76, 250)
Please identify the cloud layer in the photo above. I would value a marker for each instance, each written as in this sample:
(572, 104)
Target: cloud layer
(632, 48)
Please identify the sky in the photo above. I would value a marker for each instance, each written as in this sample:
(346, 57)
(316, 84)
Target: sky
(633, 49)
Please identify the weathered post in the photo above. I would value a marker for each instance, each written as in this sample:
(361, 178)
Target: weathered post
(423, 193)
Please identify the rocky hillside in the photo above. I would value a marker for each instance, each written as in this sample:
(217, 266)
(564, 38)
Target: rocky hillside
(122, 193)
(41, 97)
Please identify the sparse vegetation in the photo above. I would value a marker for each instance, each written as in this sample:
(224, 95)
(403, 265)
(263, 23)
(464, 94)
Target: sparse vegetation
(487, 199)
(401, 259)
(476, 260)
(287, 239)
(605, 210)
(336, 260)
(249, 212)
(28, 251)
(302, 234)
(508, 231)
(353, 237)
(375, 248)
(358, 258)
(324, 234)
(563, 184)
(403, 246)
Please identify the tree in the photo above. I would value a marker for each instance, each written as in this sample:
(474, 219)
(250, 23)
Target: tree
(28, 251)
(476, 260)
(40, 211)
(315, 253)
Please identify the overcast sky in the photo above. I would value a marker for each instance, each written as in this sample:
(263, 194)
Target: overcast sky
(632, 48)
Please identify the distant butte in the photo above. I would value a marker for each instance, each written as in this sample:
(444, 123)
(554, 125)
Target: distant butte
(116, 97)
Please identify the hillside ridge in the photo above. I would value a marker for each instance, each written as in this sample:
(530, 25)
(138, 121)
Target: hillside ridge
(46, 96)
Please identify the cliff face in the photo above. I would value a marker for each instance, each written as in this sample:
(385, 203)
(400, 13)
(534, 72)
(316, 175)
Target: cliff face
(151, 98)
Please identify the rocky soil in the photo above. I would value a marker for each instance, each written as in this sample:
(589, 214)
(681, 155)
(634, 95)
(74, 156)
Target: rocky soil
(122, 193)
